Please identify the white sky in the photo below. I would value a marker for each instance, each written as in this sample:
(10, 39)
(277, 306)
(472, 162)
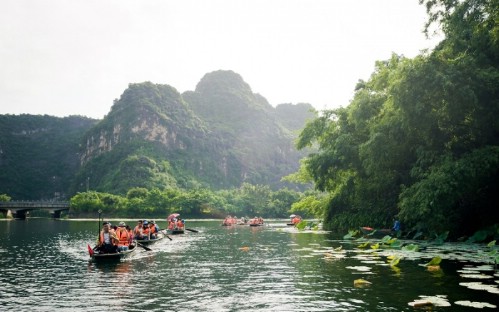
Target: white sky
(74, 57)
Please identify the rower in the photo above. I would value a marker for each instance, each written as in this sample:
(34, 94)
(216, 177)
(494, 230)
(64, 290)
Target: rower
(108, 241)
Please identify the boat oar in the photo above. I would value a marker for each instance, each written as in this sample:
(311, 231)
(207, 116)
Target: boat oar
(164, 232)
(146, 248)
(191, 230)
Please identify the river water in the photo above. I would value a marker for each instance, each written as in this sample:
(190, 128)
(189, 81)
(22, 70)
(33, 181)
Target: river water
(45, 266)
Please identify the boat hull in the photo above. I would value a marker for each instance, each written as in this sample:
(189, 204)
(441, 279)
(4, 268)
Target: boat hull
(98, 257)
(159, 237)
(174, 232)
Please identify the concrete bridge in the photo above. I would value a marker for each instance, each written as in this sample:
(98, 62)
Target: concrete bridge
(19, 209)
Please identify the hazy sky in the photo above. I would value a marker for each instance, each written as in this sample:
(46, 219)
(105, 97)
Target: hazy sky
(74, 57)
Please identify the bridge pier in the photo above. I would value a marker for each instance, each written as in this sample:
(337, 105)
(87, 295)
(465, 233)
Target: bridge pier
(6, 213)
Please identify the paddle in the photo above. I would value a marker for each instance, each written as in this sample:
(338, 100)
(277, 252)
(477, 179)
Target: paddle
(146, 248)
(164, 232)
(191, 230)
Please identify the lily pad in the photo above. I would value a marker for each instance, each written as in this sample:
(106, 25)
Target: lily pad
(359, 268)
(437, 301)
(475, 304)
(361, 283)
(476, 276)
(480, 286)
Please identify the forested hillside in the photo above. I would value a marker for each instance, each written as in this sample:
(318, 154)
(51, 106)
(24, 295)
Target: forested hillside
(420, 140)
(217, 137)
(39, 154)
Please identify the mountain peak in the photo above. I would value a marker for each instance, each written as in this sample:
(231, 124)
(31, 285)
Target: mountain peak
(223, 81)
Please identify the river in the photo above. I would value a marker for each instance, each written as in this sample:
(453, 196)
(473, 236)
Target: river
(45, 267)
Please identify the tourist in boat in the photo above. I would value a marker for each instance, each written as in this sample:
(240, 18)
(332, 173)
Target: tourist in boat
(254, 220)
(123, 237)
(296, 220)
(108, 241)
(180, 224)
(130, 234)
(153, 229)
(171, 224)
(137, 231)
(146, 231)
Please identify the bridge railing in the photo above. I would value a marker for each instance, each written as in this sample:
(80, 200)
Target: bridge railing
(34, 204)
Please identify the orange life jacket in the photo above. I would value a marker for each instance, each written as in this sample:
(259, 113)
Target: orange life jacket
(145, 231)
(152, 228)
(122, 234)
(170, 225)
(179, 224)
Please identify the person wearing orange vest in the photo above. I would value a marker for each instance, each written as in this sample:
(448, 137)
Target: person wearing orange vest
(171, 224)
(124, 239)
(145, 230)
(153, 228)
(130, 234)
(108, 241)
(296, 220)
(180, 224)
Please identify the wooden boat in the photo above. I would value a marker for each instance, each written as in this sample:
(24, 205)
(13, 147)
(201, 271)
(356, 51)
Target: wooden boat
(375, 233)
(175, 231)
(159, 237)
(96, 256)
(256, 224)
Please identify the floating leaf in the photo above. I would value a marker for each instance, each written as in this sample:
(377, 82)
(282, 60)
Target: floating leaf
(440, 239)
(351, 234)
(301, 225)
(359, 268)
(474, 304)
(438, 301)
(491, 244)
(411, 247)
(375, 246)
(395, 261)
(364, 245)
(433, 268)
(361, 282)
(386, 239)
(338, 248)
(435, 261)
(476, 276)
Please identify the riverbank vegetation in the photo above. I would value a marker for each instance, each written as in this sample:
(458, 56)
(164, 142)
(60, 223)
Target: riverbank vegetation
(248, 200)
(420, 139)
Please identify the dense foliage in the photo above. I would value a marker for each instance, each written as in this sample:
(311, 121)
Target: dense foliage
(420, 139)
(39, 154)
(248, 200)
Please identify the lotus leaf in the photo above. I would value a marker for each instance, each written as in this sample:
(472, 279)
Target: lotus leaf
(475, 304)
(361, 282)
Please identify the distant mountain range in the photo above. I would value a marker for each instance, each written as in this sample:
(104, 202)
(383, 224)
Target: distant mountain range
(217, 136)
